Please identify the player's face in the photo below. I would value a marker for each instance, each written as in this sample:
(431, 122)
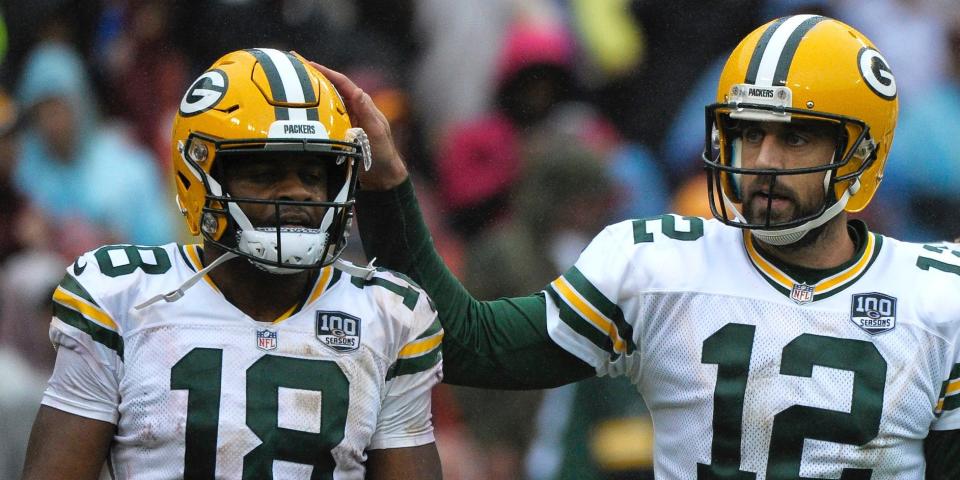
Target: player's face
(778, 145)
(295, 179)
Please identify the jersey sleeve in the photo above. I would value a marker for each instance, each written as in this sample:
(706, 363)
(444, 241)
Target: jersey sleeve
(495, 344)
(944, 262)
(583, 315)
(948, 404)
(81, 385)
(947, 409)
(405, 419)
(89, 348)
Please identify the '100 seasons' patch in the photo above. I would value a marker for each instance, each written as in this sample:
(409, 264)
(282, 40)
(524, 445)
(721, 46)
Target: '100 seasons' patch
(338, 331)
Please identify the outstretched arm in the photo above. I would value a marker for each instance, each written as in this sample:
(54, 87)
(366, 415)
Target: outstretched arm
(941, 450)
(497, 344)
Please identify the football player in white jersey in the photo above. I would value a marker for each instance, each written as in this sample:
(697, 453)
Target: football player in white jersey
(259, 354)
(779, 340)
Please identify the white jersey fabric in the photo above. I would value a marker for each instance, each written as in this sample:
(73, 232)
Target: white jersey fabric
(751, 374)
(198, 389)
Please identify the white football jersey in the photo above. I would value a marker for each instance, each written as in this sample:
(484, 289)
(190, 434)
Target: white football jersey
(198, 389)
(749, 372)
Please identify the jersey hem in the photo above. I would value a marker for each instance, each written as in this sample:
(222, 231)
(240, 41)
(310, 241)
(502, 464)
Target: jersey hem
(403, 442)
(78, 410)
(946, 423)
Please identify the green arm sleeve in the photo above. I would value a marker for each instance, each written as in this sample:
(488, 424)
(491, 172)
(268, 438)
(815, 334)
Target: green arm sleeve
(942, 452)
(500, 344)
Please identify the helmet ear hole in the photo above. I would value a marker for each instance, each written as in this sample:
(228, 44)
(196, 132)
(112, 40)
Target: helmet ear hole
(184, 183)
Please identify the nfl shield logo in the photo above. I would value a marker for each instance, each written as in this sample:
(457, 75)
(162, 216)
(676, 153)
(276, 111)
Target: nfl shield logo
(873, 312)
(801, 293)
(338, 331)
(266, 340)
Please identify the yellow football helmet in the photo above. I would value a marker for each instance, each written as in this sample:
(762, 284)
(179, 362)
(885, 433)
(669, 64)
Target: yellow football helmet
(274, 104)
(803, 67)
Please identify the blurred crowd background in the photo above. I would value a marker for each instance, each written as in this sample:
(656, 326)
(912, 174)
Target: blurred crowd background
(528, 126)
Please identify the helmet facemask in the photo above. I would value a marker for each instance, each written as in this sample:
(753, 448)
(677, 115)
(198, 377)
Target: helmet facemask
(723, 162)
(273, 246)
(268, 103)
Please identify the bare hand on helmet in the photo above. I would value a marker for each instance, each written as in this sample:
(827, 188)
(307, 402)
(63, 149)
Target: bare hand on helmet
(388, 168)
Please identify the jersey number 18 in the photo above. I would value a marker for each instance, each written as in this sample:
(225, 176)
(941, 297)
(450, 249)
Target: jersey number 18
(200, 372)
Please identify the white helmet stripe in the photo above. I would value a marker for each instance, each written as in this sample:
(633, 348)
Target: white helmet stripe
(289, 82)
(776, 48)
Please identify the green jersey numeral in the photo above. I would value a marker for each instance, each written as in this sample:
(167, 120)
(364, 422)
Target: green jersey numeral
(408, 293)
(264, 379)
(668, 226)
(730, 349)
(200, 373)
(926, 263)
(131, 259)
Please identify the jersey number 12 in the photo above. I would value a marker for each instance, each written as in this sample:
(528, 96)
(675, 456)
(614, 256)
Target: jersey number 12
(730, 349)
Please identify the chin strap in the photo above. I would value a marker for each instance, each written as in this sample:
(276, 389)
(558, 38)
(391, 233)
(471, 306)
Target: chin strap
(177, 294)
(365, 272)
(793, 235)
(788, 236)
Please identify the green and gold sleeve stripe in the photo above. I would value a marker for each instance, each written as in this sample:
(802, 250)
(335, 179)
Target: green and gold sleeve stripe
(73, 305)
(582, 305)
(427, 342)
(422, 354)
(950, 392)
(583, 328)
(72, 286)
(84, 305)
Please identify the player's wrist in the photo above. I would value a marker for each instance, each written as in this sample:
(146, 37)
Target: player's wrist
(384, 177)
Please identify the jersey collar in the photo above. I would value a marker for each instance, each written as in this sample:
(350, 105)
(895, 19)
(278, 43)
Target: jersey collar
(805, 285)
(328, 276)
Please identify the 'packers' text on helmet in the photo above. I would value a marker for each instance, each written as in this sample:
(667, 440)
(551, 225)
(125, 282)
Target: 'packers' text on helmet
(806, 68)
(271, 105)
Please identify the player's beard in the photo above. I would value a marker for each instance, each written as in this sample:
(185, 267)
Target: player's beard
(756, 207)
